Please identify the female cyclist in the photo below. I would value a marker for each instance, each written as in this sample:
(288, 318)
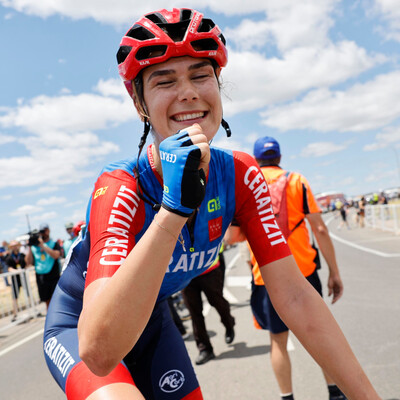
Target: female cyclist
(157, 220)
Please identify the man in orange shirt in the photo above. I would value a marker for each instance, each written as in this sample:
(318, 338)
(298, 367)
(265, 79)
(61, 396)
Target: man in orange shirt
(300, 205)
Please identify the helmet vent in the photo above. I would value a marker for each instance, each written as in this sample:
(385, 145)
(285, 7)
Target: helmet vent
(157, 18)
(175, 31)
(186, 14)
(204, 44)
(123, 52)
(140, 33)
(147, 52)
(206, 25)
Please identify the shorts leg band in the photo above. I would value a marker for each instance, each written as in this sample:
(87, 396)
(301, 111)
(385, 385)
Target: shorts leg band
(82, 382)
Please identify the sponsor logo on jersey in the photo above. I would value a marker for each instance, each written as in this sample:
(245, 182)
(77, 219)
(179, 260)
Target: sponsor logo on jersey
(214, 228)
(172, 381)
(213, 205)
(254, 180)
(58, 354)
(195, 260)
(121, 216)
(100, 192)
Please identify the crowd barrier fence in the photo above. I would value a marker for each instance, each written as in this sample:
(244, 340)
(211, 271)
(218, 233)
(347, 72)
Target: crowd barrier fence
(27, 302)
(383, 216)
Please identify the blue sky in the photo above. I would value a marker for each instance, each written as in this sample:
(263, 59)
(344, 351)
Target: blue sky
(321, 76)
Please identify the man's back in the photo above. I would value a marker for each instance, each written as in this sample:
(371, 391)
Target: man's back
(300, 202)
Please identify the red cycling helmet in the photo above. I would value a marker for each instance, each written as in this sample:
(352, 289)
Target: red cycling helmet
(163, 34)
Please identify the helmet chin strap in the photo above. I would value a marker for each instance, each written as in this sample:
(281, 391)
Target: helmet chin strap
(225, 125)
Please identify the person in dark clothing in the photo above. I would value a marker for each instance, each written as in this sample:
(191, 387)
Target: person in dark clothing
(45, 257)
(15, 261)
(211, 283)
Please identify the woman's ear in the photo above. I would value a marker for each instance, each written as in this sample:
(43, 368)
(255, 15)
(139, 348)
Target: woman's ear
(217, 71)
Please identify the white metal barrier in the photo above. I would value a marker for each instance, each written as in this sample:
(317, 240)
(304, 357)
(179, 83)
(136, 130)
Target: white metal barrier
(25, 305)
(383, 216)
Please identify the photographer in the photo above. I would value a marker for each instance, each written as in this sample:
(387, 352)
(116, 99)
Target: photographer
(44, 254)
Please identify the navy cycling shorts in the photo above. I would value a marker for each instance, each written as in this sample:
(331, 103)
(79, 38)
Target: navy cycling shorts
(263, 310)
(158, 365)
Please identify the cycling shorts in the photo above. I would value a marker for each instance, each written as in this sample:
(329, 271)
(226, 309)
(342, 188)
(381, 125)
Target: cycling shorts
(158, 365)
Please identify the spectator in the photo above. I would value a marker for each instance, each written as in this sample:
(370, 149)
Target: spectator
(3, 264)
(44, 255)
(211, 283)
(361, 211)
(69, 227)
(73, 231)
(15, 262)
(300, 205)
(343, 210)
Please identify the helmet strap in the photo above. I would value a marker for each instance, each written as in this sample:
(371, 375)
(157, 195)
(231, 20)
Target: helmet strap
(225, 125)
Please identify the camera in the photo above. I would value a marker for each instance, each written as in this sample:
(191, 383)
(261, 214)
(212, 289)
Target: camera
(33, 238)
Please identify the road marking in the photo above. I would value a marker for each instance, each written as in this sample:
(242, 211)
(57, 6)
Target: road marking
(229, 296)
(238, 281)
(362, 248)
(21, 342)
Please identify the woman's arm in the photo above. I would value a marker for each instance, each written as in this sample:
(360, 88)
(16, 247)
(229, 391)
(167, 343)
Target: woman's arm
(116, 310)
(307, 316)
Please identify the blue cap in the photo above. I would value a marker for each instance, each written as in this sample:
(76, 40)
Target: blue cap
(264, 145)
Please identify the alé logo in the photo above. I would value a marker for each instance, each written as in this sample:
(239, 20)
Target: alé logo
(172, 381)
(213, 205)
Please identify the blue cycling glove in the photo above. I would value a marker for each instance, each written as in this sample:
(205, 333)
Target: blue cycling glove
(184, 182)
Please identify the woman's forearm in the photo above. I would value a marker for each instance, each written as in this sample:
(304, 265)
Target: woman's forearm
(116, 311)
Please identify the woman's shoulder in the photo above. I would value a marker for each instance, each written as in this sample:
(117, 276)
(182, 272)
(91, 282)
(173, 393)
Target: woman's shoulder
(126, 165)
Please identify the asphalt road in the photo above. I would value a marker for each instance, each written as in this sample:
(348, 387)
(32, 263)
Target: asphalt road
(369, 314)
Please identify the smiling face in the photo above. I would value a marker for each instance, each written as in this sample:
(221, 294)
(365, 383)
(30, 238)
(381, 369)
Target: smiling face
(180, 92)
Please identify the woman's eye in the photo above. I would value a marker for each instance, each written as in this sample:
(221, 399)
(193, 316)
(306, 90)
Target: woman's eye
(164, 83)
(201, 76)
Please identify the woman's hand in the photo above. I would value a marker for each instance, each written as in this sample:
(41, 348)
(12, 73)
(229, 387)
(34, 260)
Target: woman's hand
(184, 159)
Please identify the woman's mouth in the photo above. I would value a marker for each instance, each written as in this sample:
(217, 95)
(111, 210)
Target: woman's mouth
(188, 116)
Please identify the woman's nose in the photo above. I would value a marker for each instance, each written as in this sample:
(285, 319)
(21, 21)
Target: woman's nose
(187, 91)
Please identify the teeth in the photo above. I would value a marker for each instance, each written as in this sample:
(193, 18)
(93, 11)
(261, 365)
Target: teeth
(185, 117)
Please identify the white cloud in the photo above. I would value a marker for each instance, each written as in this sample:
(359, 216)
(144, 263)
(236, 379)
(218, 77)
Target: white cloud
(48, 201)
(378, 176)
(367, 106)
(58, 134)
(289, 24)
(320, 149)
(42, 189)
(276, 80)
(26, 209)
(230, 144)
(390, 11)
(70, 113)
(388, 137)
(4, 139)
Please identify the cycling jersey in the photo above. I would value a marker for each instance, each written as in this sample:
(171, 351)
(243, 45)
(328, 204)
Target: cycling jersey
(117, 218)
